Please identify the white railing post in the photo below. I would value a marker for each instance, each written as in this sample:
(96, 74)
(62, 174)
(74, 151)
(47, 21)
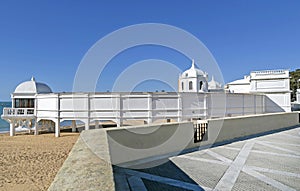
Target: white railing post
(149, 120)
(12, 131)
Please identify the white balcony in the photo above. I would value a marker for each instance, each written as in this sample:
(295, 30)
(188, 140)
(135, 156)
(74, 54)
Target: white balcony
(18, 113)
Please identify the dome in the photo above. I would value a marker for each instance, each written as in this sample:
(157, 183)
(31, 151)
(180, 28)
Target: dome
(32, 87)
(214, 84)
(193, 72)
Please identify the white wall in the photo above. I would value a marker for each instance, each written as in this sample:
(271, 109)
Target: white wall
(152, 107)
(239, 88)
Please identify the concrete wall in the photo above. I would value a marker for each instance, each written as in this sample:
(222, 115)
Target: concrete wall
(235, 127)
(133, 143)
(136, 143)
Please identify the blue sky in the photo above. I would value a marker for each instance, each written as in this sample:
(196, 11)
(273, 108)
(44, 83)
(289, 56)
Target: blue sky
(48, 39)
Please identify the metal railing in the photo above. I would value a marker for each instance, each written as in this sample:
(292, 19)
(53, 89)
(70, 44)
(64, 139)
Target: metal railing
(200, 131)
(18, 111)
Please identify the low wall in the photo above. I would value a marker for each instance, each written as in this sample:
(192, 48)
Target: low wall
(88, 165)
(130, 144)
(225, 129)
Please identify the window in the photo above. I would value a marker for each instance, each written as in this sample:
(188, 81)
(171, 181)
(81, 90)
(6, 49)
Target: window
(190, 85)
(200, 85)
(24, 103)
(182, 86)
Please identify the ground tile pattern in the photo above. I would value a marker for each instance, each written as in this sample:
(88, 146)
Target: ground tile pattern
(270, 162)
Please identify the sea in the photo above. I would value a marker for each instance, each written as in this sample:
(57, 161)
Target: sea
(4, 126)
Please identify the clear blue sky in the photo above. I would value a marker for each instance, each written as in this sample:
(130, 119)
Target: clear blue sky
(47, 39)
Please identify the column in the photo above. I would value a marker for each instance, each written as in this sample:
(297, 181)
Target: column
(87, 121)
(73, 126)
(12, 131)
(119, 110)
(149, 120)
(96, 124)
(57, 120)
(36, 124)
(86, 124)
(57, 127)
(179, 117)
(205, 104)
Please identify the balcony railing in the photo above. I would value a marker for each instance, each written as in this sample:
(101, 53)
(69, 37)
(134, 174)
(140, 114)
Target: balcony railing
(18, 112)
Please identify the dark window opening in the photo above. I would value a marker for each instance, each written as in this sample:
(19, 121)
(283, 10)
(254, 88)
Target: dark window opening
(24, 103)
(190, 85)
(200, 85)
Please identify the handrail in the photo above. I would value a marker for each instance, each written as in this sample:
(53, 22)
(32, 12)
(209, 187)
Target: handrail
(18, 111)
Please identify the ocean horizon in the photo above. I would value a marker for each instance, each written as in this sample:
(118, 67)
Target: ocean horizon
(4, 125)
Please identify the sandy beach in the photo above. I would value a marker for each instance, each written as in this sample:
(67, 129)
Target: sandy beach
(29, 162)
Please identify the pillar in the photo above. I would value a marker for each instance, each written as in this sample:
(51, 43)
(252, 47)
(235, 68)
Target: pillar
(12, 131)
(57, 120)
(36, 130)
(149, 120)
(73, 126)
(26, 124)
(86, 124)
(179, 113)
(96, 124)
(57, 128)
(119, 113)
(206, 113)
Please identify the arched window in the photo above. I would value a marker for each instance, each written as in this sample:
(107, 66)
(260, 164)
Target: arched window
(200, 85)
(182, 86)
(190, 85)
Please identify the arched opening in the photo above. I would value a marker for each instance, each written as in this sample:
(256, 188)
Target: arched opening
(182, 86)
(200, 85)
(46, 125)
(190, 85)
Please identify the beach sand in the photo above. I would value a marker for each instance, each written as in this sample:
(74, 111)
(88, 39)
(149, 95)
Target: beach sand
(29, 162)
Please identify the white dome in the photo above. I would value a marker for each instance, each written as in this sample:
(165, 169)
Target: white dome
(32, 87)
(193, 72)
(214, 84)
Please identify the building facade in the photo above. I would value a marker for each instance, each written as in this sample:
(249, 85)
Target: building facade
(275, 84)
(35, 105)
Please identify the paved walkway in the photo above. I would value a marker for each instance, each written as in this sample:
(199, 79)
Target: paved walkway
(270, 162)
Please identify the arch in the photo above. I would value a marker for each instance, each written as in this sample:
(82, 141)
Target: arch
(46, 124)
(190, 85)
(200, 85)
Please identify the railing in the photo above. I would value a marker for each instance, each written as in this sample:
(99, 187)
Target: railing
(18, 111)
(200, 131)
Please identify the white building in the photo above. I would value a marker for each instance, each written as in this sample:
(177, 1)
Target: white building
(296, 104)
(193, 80)
(275, 84)
(34, 104)
(239, 86)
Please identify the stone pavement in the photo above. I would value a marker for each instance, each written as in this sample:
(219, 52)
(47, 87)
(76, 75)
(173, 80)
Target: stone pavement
(269, 162)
